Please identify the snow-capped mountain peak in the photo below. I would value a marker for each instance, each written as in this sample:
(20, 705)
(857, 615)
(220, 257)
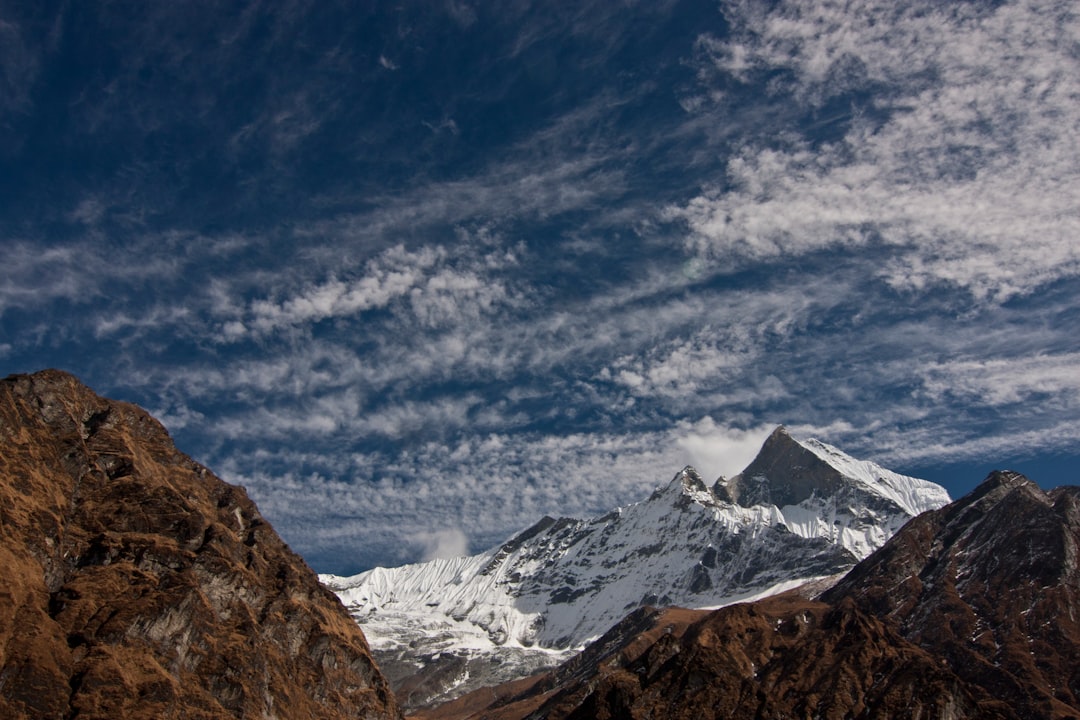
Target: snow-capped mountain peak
(686, 487)
(790, 472)
(799, 511)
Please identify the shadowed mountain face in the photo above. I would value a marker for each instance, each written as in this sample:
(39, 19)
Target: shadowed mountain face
(970, 611)
(783, 473)
(139, 585)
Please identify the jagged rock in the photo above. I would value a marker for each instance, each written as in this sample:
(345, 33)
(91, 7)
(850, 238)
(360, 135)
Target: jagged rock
(139, 585)
(785, 472)
(970, 611)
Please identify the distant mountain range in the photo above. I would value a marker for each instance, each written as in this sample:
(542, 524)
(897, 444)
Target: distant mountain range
(801, 511)
(970, 611)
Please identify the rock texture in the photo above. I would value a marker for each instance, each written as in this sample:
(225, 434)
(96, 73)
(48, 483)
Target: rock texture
(989, 584)
(139, 585)
(968, 612)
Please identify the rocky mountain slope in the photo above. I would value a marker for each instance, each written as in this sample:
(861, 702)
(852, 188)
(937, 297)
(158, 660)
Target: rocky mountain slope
(970, 611)
(800, 511)
(138, 585)
(991, 585)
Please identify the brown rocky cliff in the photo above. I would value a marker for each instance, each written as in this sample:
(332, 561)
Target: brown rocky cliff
(991, 584)
(136, 584)
(783, 657)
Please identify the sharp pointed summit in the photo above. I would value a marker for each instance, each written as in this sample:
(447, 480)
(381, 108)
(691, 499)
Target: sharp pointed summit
(800, 511)
(686, 488)
(785, 472)
(790, 472)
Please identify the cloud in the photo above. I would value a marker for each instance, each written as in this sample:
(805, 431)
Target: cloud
(961, 162)
(335, 298)
(933, 445)
(20, 65)
(717, 450)
(448, 543)
(534, 181)
(283, 124)
(89, 211)
(996, 382)
(113, 282)
(439, 285)
(31, 275)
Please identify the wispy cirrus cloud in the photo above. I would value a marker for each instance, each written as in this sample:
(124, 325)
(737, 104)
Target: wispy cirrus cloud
(995, 382)
(960, 148)
(406, 294)
(929, 445)
(440, 288)
(20, 64)
(391, 277)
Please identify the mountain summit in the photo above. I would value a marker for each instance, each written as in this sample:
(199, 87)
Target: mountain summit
(785, 472)
(561, 583)
(789, 472)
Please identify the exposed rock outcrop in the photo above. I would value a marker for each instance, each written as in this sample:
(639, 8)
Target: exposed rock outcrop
(990, 584)
(139, 585)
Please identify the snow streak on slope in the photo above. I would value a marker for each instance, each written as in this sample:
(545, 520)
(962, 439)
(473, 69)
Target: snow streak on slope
(912, 495)
(563, 582)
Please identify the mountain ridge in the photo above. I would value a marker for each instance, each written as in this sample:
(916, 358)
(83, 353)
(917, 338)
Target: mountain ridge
(139, 585)
(562, 582)
(969, 611)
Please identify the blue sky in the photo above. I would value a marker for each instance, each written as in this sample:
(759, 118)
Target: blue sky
(417, 275)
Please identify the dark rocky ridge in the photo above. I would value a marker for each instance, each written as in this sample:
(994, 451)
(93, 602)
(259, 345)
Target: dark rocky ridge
(139, 585)
(783, 473)
(970, 611)
(991, 585)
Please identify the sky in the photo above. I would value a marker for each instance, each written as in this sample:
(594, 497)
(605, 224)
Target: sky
(419, 273)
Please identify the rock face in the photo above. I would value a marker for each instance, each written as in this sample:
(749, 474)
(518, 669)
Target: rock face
(802, 510)
(138, 585)
(970, 611)
(991, 585)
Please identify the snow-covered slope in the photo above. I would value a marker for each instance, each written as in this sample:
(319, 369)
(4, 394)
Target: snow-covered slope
(800, 511)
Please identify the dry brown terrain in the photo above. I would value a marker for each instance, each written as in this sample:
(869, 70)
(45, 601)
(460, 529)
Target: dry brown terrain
(136, 584)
